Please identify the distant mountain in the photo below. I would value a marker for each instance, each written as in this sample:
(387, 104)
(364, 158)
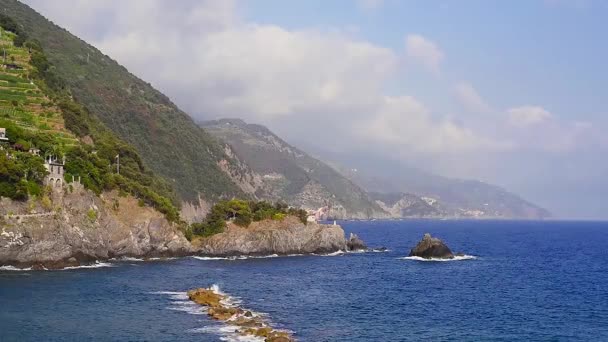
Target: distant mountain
(407, 205)
(283, 172)
(168, 140)
(450, 197)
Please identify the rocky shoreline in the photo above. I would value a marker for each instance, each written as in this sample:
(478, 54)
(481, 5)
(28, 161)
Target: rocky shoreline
(85, 228)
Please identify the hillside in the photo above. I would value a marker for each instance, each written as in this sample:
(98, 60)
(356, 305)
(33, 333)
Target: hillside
(167, 139)
(286, 173)
(407, 205)
(451, 197)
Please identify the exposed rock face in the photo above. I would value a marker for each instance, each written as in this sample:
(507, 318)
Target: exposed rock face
(354, 243)
(430, 247)
(81, 228)
(289, 236)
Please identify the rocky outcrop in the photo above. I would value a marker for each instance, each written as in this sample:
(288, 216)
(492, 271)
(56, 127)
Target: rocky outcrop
(80, 228)
(245, 322)
(289, 236)
(430, 247)
(354, 243)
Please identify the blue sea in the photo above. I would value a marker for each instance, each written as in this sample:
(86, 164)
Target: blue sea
(529, 281)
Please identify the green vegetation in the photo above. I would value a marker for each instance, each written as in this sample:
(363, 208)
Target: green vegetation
(242, 213)
(167, 139)
(21, 175)
(33, 124)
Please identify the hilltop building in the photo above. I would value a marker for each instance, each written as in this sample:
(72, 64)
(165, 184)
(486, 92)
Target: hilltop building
(56, 172)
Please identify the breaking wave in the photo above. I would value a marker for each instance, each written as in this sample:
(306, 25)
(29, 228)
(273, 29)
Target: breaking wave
(225, 330)
(95, 265)
(456, 258)
(13, 268)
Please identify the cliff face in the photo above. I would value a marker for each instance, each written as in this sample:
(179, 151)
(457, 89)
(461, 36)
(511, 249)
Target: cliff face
(80, 227)
(274, 237)
(276, 171)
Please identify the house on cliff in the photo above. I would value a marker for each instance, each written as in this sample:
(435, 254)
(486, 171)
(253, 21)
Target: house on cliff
(56, 172)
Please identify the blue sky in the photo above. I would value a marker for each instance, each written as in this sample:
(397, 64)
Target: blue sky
(508, 92)
(514, 51)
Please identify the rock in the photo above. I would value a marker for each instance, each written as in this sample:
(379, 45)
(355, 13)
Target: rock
(69, 238)
(222, 313)
(205, 297)
(354, 243)
(430, 247)
(289, 236)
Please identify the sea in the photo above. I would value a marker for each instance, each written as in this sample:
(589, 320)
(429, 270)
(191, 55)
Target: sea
(519, 281)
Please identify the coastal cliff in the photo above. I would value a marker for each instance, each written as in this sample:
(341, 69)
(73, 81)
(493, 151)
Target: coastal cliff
(79, 228)
(289, 236)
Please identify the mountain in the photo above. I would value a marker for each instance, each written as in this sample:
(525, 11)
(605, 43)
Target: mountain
(399, 204)
(284, 172)
(451, 197)
(167, 139)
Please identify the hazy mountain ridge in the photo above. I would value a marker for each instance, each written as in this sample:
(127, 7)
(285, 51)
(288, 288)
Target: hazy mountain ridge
(284, 172)
(451, 197)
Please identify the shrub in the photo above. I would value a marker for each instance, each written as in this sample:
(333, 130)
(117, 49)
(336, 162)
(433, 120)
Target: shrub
(92, 215)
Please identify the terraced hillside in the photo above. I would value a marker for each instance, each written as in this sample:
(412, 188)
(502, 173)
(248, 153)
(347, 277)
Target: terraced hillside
(168, 140)
(21, 100)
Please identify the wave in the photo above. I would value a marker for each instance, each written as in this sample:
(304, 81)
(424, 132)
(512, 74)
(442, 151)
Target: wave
(13, 268)
(227, 333)
(456, 258)
(97, 264)
(226, 330)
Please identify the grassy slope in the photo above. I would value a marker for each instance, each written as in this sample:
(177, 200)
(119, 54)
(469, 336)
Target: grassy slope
(167, 138)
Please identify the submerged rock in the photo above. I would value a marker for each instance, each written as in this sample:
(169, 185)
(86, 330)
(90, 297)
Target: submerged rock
(430, 247)
(354, 243)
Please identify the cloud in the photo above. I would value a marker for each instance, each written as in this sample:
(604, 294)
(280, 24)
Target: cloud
(528, 115)
(424, 51)
(470, 98)
(404, 121)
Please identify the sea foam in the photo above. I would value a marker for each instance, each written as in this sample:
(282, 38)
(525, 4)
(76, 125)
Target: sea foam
(456, 258)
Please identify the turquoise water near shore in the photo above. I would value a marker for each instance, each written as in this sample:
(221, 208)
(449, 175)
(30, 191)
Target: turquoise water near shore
(533, 281)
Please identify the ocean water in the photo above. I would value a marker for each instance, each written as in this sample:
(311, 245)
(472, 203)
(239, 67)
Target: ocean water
(529, 281)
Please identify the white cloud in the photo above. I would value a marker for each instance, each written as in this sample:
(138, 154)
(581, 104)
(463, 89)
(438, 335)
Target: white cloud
(528, 115)
(470, 98)
(404, 121)
(424, 51)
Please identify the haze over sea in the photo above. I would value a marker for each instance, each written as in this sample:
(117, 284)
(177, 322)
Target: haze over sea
(533, 281)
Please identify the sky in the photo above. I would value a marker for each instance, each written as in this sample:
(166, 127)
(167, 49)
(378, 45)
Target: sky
(512, 93)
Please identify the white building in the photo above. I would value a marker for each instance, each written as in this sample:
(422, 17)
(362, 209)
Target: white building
(3, 136)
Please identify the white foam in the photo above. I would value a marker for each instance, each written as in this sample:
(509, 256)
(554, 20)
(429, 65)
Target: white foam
(13, 268)
(456, 258)
(97, 264)
(127, 259)
(336, 253)
(227, 331)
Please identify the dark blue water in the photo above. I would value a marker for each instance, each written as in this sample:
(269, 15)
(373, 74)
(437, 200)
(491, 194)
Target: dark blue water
(533, 281)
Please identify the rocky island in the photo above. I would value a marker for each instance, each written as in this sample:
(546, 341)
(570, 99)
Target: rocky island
(431, 248)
